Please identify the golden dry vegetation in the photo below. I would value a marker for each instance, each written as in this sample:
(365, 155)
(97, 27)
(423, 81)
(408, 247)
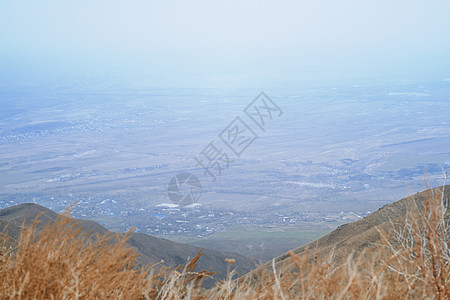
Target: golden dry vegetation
(408, 261)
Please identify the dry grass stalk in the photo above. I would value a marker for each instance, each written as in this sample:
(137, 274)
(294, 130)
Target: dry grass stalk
(412, 261)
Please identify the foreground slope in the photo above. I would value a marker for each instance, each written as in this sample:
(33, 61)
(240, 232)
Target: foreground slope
(362, 235)
(150, 249)
(413, 263)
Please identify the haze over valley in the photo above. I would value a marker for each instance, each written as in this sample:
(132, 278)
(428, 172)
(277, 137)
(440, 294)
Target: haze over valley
(337, 152)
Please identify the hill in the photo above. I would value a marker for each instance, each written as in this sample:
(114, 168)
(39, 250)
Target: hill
(399, 252)
(361, 235)
(150, 249)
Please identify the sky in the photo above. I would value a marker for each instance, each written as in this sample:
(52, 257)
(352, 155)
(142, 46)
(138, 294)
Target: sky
(219, 43)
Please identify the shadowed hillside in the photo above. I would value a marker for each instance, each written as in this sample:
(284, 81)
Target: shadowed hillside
(150, 249)
(399, 252)
(353, 238)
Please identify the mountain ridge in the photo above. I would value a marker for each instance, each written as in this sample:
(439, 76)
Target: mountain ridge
(359, 235)
(151, 249)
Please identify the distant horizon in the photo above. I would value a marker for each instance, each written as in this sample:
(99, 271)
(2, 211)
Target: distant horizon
(234, 44)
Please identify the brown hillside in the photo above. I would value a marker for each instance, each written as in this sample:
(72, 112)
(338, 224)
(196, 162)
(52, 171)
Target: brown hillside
(150, 249)
(363, 234)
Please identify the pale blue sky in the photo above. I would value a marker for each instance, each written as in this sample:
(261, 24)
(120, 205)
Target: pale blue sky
(203, 43)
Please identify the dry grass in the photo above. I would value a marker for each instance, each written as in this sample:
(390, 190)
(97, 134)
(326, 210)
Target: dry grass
(411, 261)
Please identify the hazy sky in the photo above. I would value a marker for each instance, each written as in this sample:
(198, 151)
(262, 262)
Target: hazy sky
(205, 43)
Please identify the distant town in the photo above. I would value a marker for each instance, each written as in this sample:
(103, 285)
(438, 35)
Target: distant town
(195, 220)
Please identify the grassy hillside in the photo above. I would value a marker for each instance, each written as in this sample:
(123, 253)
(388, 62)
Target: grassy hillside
(398, 252)
(365, 234)
(149, 248)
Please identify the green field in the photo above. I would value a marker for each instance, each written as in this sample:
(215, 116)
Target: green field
(260, 243)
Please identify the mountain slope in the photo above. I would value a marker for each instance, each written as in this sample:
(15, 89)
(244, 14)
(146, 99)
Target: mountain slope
(150, 248)
(357, 236)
